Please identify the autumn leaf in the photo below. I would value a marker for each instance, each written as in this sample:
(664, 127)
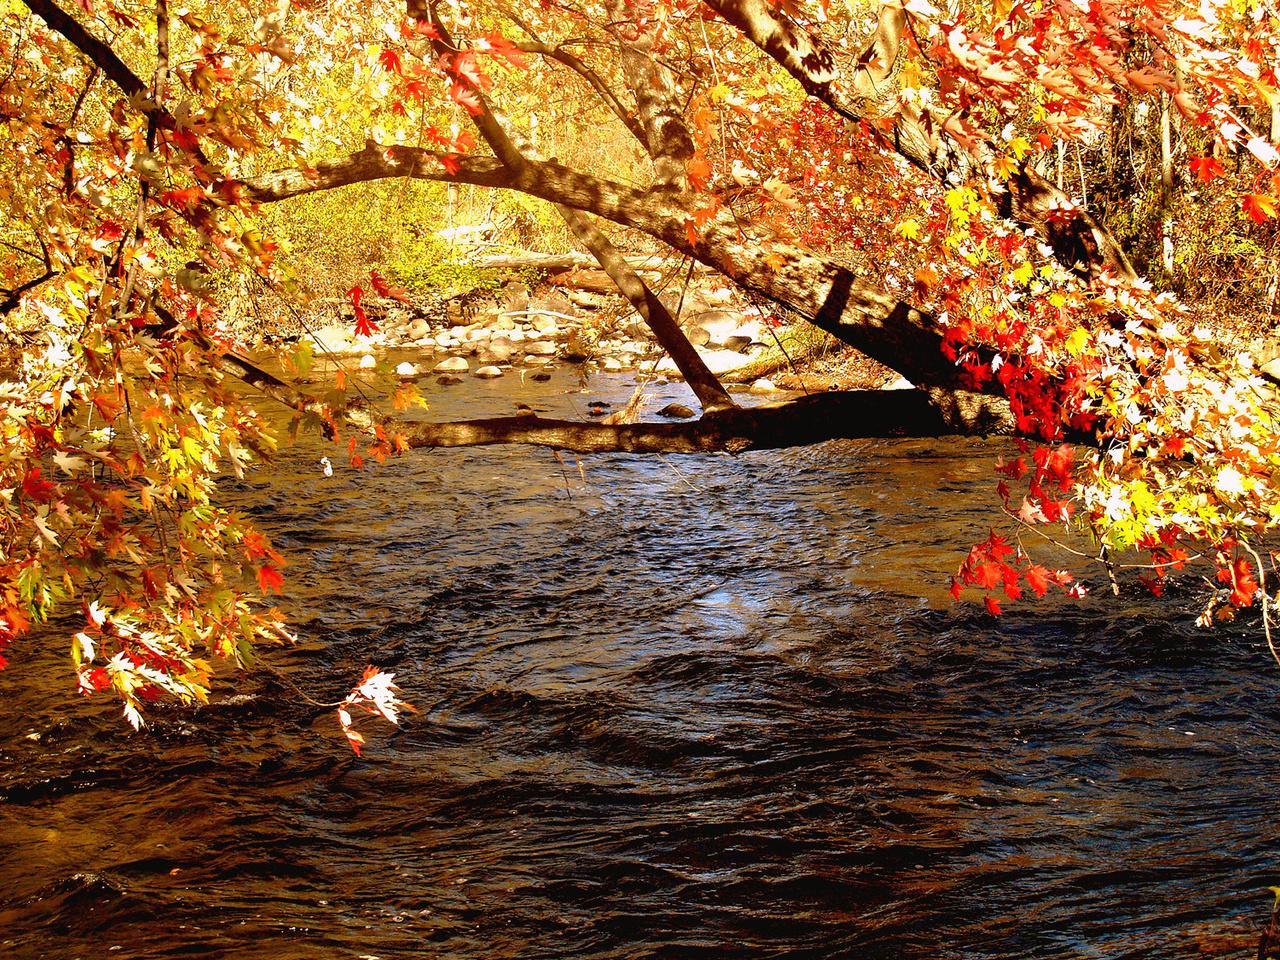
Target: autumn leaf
(1260, 207)
(270, 579)
(390, 61)
(465, 97)
(365, 327)
(1206, 169)
(909, 229)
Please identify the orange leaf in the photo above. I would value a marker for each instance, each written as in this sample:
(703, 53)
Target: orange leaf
(1260, 207)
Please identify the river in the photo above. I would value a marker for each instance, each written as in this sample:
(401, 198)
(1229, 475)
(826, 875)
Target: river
(684, 708)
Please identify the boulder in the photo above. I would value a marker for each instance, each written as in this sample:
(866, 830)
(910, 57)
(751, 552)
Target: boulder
(676, 411)
(419, 328)
(500, 349)
(611, 364)
(368, 362)
(514, 296)
(764, 385)
(541, 348)
(487, 373)
(544, 324)
(540, 375)
(448, 380)
(536, 361)
(407, 369)
(719, 324)
(333, 338)
(452, 365)
(478, 333)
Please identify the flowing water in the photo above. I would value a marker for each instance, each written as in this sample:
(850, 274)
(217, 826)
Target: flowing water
(683, 708)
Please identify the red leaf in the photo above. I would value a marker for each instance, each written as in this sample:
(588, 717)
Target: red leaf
(450, 163)
(364, 326)
(993, 607)
(270, 579)
(1206, 168)
(390, 61)
(386, 289)
(467, 67)
(1038, 579)
(498, 45)
(465, 97)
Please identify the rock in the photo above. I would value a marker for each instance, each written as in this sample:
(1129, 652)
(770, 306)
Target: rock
(368, 362)
(452, 365)
(536, 361)
(444, 340)
(516, 335)
(419, 328)
(764, 385)
(333, 339)
(698, 337)
(405, 369)
(738, 343)
(556, 302)
(478, 333)
(448, 380)
(541, 376)
(500, 349)
(503, 323)
(718, 324)
(717, 361)
(544, 324)
(676, 411)
(901, 383)
(487, 373)
(514, 296)
(541, 348)
(611, 364)
(458, 331)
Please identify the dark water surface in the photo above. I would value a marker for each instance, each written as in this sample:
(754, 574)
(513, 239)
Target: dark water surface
(700, 707)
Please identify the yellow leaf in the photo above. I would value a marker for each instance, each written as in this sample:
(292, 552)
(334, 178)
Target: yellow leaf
(910, 229)
(1077, 340)
(1024, 274)
(1004, 167)
(719, 92)
(1020, 147)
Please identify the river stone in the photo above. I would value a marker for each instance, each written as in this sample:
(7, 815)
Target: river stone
(479, 333)
(540, 375)
(516, 335)
(333, 339)
(448, 380)
(368, 362)
(900, 383)
(406, 369)
(698, 337)
(719, 324)
(503, 323)
(457, 331)
(500, 349)
(487, 373)
(542, 348)
(738, 343)
(452, 365)
(763, 385)
(676, 411)
(611, 364)
(514, 296)
(419, 328)
(543, 324)
(534, 361)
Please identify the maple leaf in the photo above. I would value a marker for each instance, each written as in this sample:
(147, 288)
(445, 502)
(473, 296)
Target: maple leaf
(466, 66)
(465, 97)
(270, 579)
(992, 605)
(1205, 169)
(386, 289)
(498, 45)
(1260, 207)
(450, 163)
(1038, 579)
(390, 61)
(365, 327)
